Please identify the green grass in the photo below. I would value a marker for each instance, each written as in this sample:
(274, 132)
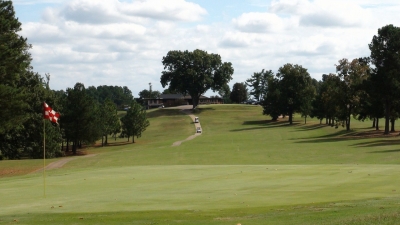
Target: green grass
(242, 169)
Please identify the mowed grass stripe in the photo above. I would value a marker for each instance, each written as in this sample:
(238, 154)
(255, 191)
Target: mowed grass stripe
(144, 188)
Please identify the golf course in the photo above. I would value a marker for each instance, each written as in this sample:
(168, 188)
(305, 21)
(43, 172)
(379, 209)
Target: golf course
(243, 169)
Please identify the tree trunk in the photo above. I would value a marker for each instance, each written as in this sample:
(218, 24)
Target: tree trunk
(326, 121)
(348, 120)
(387, 117)
(133, 139)
(106, 142)
(305, 120)
(377, 124)
(128, 138)
(102, 141)
(373, 122)
(74, 146)
(62, 145)
(290, 118)
(195, 99)
(392, 122)
(67, 150)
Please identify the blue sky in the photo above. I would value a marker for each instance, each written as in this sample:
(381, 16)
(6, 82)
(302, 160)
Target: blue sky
(113, 42)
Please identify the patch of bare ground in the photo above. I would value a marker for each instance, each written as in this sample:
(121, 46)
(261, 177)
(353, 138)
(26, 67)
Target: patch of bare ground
(60, 163)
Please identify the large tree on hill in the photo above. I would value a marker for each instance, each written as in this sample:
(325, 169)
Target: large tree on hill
(14, 64)
(195, 72)
(385, 55)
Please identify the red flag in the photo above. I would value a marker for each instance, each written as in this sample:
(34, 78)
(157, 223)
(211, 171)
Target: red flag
(50, 114)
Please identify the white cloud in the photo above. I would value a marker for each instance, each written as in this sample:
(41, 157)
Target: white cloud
(258, 22)
(122, 43)
(165, 10)
(323, 13)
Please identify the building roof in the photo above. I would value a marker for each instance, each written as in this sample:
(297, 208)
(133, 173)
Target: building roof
(171, 96)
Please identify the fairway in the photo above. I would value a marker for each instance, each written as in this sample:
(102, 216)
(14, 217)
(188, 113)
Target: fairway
(242, 169)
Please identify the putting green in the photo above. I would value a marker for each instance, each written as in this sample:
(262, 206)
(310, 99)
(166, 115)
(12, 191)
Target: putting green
(197, 187)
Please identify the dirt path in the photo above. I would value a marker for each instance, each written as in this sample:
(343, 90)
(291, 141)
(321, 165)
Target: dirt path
(60, 163)
(188, 111)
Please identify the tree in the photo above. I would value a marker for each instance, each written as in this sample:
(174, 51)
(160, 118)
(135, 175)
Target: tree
(272, 105)
(352, 75)
(225, 93)
(239, 93)
(167, 91)
(385, 55)
(194, 73)
(147, 94)
(330, 94)
(259, 83)
(135, 122)
(295, 84)
(121, 96)
(110, 122)
(27, 139)
(14, 64)
(81, 117)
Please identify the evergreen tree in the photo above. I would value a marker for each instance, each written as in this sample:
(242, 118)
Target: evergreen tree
(14, 64)
(135, 122)
(110, 122)
(81, 117)
(385, 55)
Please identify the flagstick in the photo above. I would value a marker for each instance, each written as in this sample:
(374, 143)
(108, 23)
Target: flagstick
(44, 158)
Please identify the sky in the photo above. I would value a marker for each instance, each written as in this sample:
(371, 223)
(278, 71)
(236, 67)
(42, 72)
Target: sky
(122, 42)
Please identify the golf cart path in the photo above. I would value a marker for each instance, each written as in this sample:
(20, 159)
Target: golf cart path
(60, 163)
(187, 110)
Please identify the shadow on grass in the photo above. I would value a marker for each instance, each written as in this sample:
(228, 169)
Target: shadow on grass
(264, 124)
(377, 138)
(379, 143)
(385, 151)
(198, 111)
(306, 127)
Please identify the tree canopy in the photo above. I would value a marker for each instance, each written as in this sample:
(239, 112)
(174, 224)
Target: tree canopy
(195, 72)
(259, 83)
(385, 55)
(14, 65)
(239, 93)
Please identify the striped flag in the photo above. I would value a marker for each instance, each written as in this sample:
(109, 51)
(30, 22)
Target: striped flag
(50, 114)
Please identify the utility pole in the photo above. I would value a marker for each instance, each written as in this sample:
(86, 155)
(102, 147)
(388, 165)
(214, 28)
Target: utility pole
(150, 88)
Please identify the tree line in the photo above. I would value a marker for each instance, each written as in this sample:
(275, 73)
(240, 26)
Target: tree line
(362, 88)
(87, 114)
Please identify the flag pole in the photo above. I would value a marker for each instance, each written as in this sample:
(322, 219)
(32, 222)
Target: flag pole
(44, 158)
